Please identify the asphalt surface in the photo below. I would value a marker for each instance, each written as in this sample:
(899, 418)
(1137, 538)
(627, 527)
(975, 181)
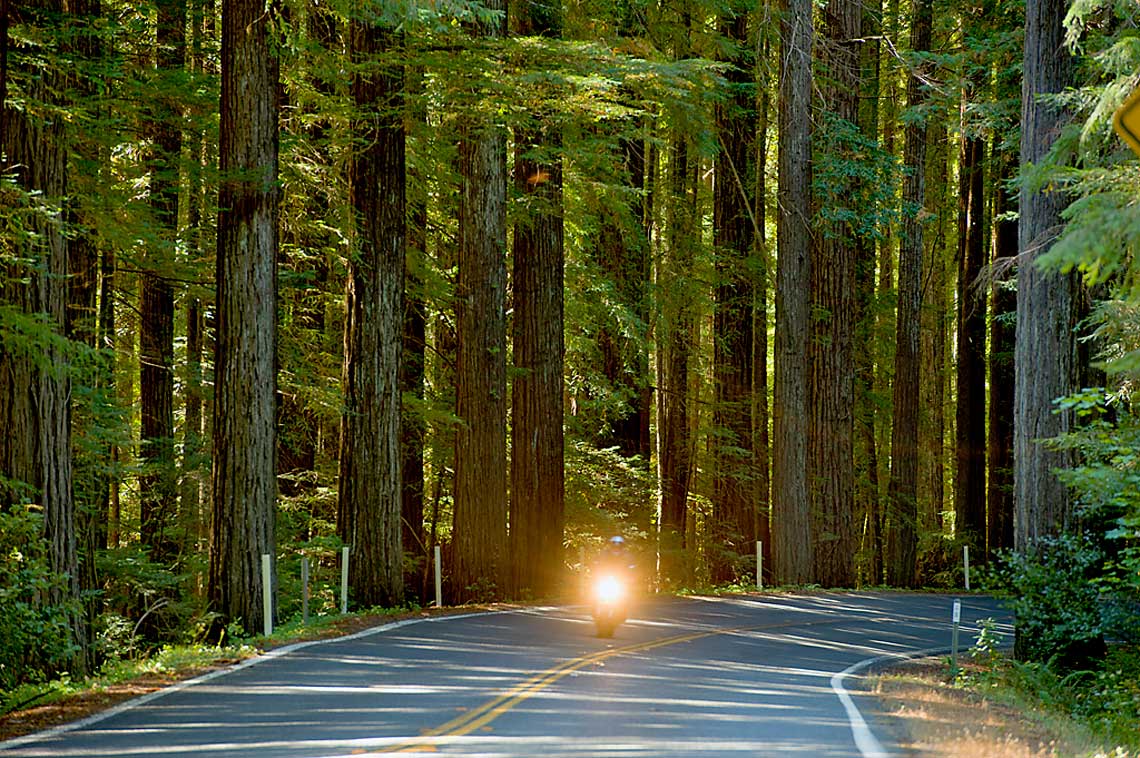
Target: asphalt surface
(771, 675)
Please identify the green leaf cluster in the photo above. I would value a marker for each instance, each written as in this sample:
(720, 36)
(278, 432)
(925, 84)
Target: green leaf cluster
(34, 627)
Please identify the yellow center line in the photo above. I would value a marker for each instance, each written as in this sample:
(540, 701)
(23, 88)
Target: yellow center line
(492, 709)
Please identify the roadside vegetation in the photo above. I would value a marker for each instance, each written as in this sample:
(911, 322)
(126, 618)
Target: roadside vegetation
(999, 707)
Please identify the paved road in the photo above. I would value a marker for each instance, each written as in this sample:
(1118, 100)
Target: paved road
(718, 677)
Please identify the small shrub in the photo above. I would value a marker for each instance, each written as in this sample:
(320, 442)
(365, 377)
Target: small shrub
(35, 637)
(1056, 601)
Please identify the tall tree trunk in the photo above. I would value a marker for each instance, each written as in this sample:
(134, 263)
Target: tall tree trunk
(903, 490)
(831, 375)
(158, 483)
(537, 472)
(90, 449)
(791, 524)
(866, 451)
(1047, 302)
(733, 224)
(675, 337)
(245, 380)
(970, 415)
(676, 331)
(762, 492)
(369, 487)
(481, 396)
(194, 455)
(413, 366)
(999, 497)
(885, 292)
(935, 312)
(35, 389)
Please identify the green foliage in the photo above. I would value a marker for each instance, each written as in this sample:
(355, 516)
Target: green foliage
(145, 604)
(1103, 698)
(1107, 487)
(855, 180)
(1056, 600)
(324, 554)
(940, 560)
(34, 629)
(606, 494)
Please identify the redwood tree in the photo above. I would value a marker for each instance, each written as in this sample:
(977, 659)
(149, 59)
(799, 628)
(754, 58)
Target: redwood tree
(245, 378)
(970, 418)
(35, 388)
(480, 532)
(369, 508)
(157, 485)
(791, 528)
(537, 474)
(1047, 302)
(831, 376)
(902, 538)
(733, 225)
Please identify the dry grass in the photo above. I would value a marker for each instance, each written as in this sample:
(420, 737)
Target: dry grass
(931, 717)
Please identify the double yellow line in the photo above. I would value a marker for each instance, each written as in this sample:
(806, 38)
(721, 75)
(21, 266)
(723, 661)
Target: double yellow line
(480, 717)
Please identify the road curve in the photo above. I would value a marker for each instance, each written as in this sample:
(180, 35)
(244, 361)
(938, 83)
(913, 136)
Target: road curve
(763, 675)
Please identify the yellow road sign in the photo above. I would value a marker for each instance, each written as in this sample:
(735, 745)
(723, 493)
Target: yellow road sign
(1126, 121)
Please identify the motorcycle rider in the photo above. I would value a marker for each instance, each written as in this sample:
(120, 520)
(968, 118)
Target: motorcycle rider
(615, 559)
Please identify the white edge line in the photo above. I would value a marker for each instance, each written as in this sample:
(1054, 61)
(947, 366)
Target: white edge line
(275, 653)
(869, 745)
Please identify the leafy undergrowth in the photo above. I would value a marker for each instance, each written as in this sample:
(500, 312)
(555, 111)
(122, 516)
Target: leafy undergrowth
(1000, 708)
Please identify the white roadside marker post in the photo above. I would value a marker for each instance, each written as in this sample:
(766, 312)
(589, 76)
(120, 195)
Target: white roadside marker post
(759, 565)
(438, 579)
(966, 564)
(954, 638)
(305, 590)
(344, 579)
(266, 595)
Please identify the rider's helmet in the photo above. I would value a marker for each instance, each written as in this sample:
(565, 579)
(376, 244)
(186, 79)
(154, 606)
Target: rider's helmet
(616, 544)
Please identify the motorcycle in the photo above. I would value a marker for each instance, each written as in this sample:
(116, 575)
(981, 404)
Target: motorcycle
(610, 602)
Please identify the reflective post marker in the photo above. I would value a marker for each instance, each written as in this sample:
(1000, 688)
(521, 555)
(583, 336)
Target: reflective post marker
(438, 580)
(954, 639)
(344, 579)
(759, 565)
(305, 590)
(266, 595)
(966, 564)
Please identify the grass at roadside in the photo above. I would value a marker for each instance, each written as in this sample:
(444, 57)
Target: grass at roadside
(999, 708)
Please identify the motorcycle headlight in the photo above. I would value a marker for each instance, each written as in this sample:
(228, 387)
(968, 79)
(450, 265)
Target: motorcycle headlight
(609, 589)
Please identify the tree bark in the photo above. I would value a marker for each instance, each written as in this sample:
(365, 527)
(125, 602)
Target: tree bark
(1047, 302)
(791, 523)
(537, 473)
(970, 415)
(902, 536)
(413, 365)
(734, 520)
(866, 448)
(480, 448)
(158, 483)
(35, 388)
(831, 378)
(245, 381)
(369, 486)
(999, 496)
(934, 317)
(761, 410)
